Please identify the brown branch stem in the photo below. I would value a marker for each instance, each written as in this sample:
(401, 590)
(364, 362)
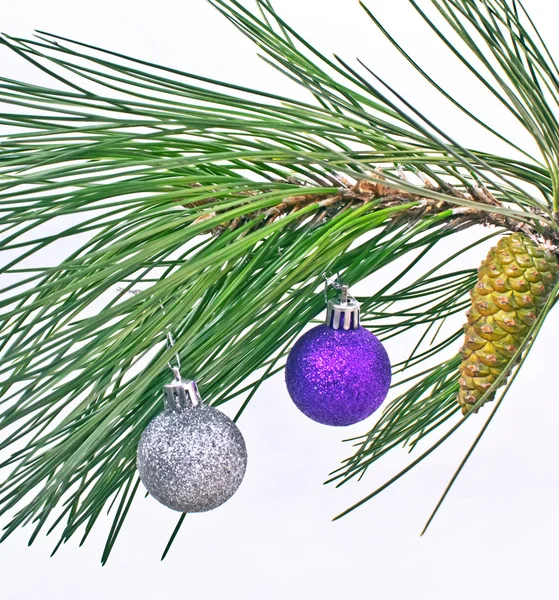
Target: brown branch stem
(365, 191)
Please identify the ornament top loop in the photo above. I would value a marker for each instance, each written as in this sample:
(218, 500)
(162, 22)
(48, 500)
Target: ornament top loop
(170, 344)
(181, 394)
(168, 335)
(343, 313)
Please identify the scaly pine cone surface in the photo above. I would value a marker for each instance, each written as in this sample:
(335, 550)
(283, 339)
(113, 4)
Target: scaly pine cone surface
(514, 282)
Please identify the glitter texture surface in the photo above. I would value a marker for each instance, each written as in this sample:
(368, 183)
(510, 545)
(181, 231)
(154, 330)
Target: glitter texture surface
(338, 377)
(192, 460)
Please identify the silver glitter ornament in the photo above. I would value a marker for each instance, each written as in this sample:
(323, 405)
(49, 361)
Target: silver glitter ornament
(191, 457)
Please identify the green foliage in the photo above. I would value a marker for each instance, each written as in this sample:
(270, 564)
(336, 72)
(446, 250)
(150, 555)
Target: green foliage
(138, 176)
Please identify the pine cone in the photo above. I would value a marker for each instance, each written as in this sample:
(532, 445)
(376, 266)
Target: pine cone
(514, 282)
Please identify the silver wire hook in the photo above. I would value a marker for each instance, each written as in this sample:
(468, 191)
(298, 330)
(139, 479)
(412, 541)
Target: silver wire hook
(171, 344)
(168, 337)
(332, 281)
(336, 282)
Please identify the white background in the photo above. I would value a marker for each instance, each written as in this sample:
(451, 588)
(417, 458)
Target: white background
(494, 538)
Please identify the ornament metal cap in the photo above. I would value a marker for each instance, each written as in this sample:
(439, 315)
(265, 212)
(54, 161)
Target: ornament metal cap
(181, 394)
(345, 306)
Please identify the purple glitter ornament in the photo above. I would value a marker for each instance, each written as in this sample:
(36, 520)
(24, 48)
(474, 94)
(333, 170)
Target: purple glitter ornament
(338, 373)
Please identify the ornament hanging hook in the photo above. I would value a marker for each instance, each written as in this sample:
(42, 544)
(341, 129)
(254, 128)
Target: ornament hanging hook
(171, 344)
(336, 282)
(180, 393)
(332, 281)
(168, 336)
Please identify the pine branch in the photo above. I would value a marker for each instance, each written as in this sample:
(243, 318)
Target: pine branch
(415, 205)
(225, 206)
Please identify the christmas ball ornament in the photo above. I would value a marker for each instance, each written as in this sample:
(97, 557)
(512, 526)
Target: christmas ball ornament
(191, 457)
(338, 373)
(514, 282)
